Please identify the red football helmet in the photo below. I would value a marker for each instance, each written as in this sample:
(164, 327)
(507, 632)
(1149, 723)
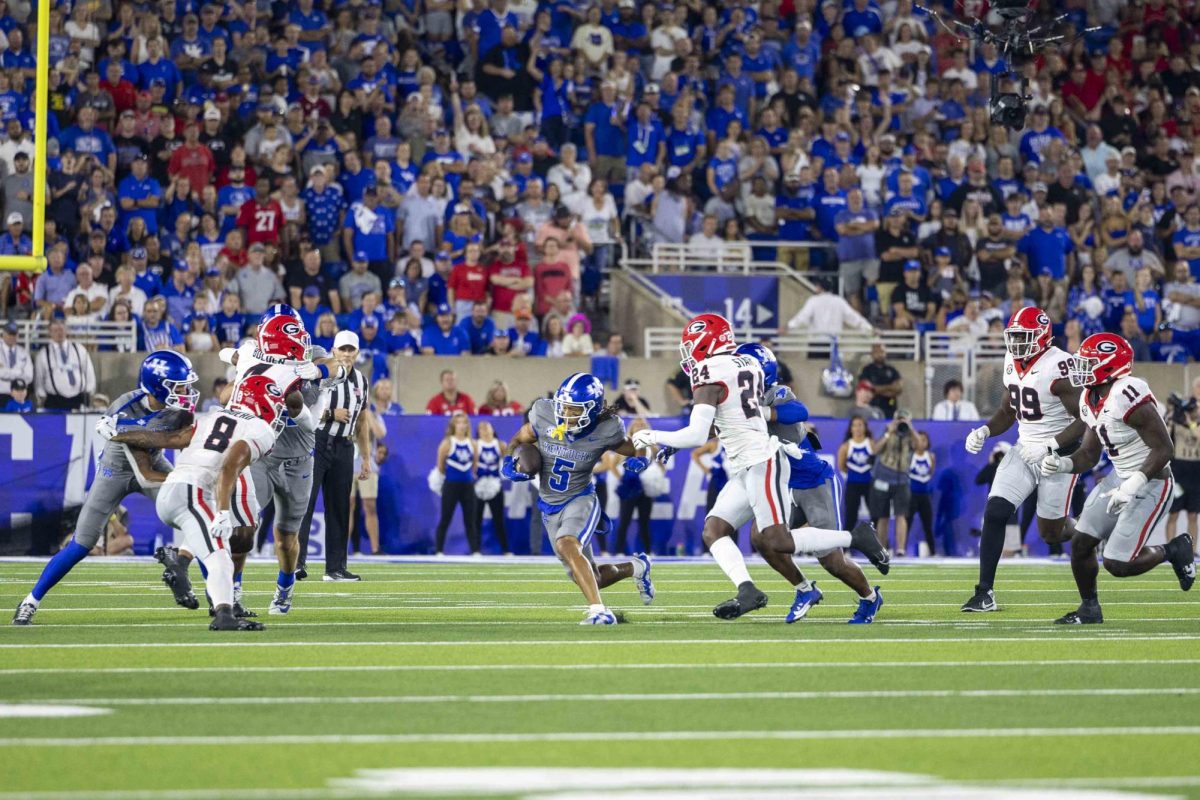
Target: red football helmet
(705, 336)
(260, 396)
(1102, 358)
(284, 337)
(1028, 333)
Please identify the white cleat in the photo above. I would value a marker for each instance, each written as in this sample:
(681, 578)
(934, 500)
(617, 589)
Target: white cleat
(282, 603)
(645, 586)
(604, 617)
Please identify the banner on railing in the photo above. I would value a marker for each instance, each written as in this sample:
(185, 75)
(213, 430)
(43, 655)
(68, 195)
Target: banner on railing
(48, 460)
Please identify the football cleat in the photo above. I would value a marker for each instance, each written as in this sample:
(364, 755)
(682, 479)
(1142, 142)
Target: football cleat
(241, 612)
(1179, 553)
(282, 602)
(1088, 613)
(982, 600)
(604, 617)
(176, 578)
(24, 614)
(864, 540)
(867, 609)
(301, 572)
(224, 620)
(645, 586)
(749, 598)
(804, 601)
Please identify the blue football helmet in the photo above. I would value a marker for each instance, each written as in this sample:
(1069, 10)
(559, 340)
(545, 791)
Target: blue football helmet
(279, 310)
(577, 402)
(168, 377)
(763, 355)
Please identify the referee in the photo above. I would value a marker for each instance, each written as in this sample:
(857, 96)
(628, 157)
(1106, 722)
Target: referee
(333, 468)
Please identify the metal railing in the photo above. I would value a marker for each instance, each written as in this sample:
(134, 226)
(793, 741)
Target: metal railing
(898, 344)
(117, 335)
(723, 257)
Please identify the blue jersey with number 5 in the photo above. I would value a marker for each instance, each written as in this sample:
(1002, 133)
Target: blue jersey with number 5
(567, 461)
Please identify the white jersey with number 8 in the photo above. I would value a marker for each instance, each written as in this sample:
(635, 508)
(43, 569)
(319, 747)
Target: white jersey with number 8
(1122, 443)
(199, 463)
(741, 427)
(1041, 415)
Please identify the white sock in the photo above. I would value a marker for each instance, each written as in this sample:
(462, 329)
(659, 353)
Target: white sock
(639, 567)
(220, 577)
(811, 540)
(597, 609)
(804, 586)
(31, 600)
(730, 559)
(871, 597)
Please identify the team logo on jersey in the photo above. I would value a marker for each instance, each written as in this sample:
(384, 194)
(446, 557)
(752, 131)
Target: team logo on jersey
(1008, 370)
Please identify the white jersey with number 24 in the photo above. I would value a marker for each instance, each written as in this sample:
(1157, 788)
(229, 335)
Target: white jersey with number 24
(741, 427)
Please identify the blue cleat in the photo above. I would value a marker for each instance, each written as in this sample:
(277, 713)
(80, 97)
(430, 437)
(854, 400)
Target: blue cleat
(282, 602)
(804, 601)
(645, 586)
(867, 610)
(604, 617)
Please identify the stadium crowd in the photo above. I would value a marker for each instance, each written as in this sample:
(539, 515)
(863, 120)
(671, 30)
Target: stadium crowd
(450, 178)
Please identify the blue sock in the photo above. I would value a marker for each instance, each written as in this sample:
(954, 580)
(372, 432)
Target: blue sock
(286, 579)
(57, 569)
(203, 569)
(237, 579)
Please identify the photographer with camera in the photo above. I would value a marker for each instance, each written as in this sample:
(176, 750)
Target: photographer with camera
(1183, 423)
(890, 491)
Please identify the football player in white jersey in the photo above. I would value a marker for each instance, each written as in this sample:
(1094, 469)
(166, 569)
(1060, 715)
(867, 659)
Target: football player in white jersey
(1040, 398)
(1129, 506)
(726, 388)
(197, 496)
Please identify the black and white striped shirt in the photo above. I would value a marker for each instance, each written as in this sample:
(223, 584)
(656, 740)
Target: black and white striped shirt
(350, 394)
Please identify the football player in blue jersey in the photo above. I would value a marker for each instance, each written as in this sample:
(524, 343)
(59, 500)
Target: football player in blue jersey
(165, 400)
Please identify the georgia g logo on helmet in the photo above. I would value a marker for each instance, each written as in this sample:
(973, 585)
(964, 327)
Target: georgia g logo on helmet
(1042, 319)
(697, 326)
(291, 328)
(1106, 346)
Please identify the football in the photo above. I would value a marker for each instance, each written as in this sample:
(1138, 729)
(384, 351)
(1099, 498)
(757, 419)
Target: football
(528, 458)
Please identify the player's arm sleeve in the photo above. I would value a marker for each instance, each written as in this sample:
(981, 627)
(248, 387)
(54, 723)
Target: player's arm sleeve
(791, 412)
(695, 434)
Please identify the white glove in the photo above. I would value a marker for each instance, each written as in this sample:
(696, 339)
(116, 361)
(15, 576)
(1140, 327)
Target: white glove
(1123, 495)
(976, 439)
(106, 428)
(644, 438)
(221, 526)
(1032, 454)
(226, 354)
(309, 371)
(1053, 464)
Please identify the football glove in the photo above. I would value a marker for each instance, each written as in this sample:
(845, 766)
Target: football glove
(644, 438)
(222, 526)
(508, 469)
(1123, 495)
(977, 438)
(634, 465)
(106, 428)
(664, 454)
(310, 371)
(1053, 464)
(1032, 454)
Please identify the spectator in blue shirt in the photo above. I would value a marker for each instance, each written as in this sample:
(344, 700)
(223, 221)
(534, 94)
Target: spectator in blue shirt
(1118, 298)
(157, 68)
(54, 284)
(85, 137)
(603, 131)
(369, 229)
(227, 323)
(1039, 135)
(1187, 240)
(862, 19)
(724, 111)
(401, 339)
(523, 338)
(140, 195)
(646, 143)
(442, 338)
(144, 278)
(830, 200)
(14, 241)
(478, 328)
(912, 204)
(803, 51)
(1048, 247)
(323, 202)
(155, 332)
(373, 347)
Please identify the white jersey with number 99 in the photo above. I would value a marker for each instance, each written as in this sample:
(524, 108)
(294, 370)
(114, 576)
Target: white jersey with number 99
(200, 462)
(741, 427)
(1041, 415)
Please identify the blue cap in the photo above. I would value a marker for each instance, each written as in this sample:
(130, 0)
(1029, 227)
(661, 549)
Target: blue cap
(370, 321)
(137, 252)
(524, 158)
(842, 136)
(312, 291)
(360, 255)
(444, 308)
(942, 251)
(911, 265)
(212, 273)
(909, 149)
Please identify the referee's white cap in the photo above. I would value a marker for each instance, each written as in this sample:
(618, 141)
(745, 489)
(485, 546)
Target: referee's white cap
(345, 339)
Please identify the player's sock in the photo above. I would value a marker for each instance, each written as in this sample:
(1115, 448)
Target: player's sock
(57, 568)
(729, 559)
(871, 597)
(219, 578)
(237, 579)
(639, 567)
(812, 540)
(996, 514)
(804, 585)
(285, 580)
(203, 569)
(598, 608)
(31, 600)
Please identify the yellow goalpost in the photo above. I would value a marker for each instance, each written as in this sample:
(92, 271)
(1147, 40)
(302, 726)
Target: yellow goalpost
(41, 91)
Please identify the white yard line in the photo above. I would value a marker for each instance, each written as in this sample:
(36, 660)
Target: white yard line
(806, 734)
(608, 697)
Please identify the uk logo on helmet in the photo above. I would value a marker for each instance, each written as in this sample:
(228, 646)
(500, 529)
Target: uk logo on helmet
(158, 366)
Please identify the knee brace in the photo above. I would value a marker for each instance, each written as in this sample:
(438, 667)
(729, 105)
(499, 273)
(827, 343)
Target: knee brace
(998, 511)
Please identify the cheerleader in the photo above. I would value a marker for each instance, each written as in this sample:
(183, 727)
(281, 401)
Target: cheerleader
(488, 491)
(714, 470)
(456, 461)
(920, 481)
(856, 457)
(634, 497)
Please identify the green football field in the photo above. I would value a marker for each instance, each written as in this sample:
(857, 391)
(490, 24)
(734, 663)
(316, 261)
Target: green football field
(473, 679)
